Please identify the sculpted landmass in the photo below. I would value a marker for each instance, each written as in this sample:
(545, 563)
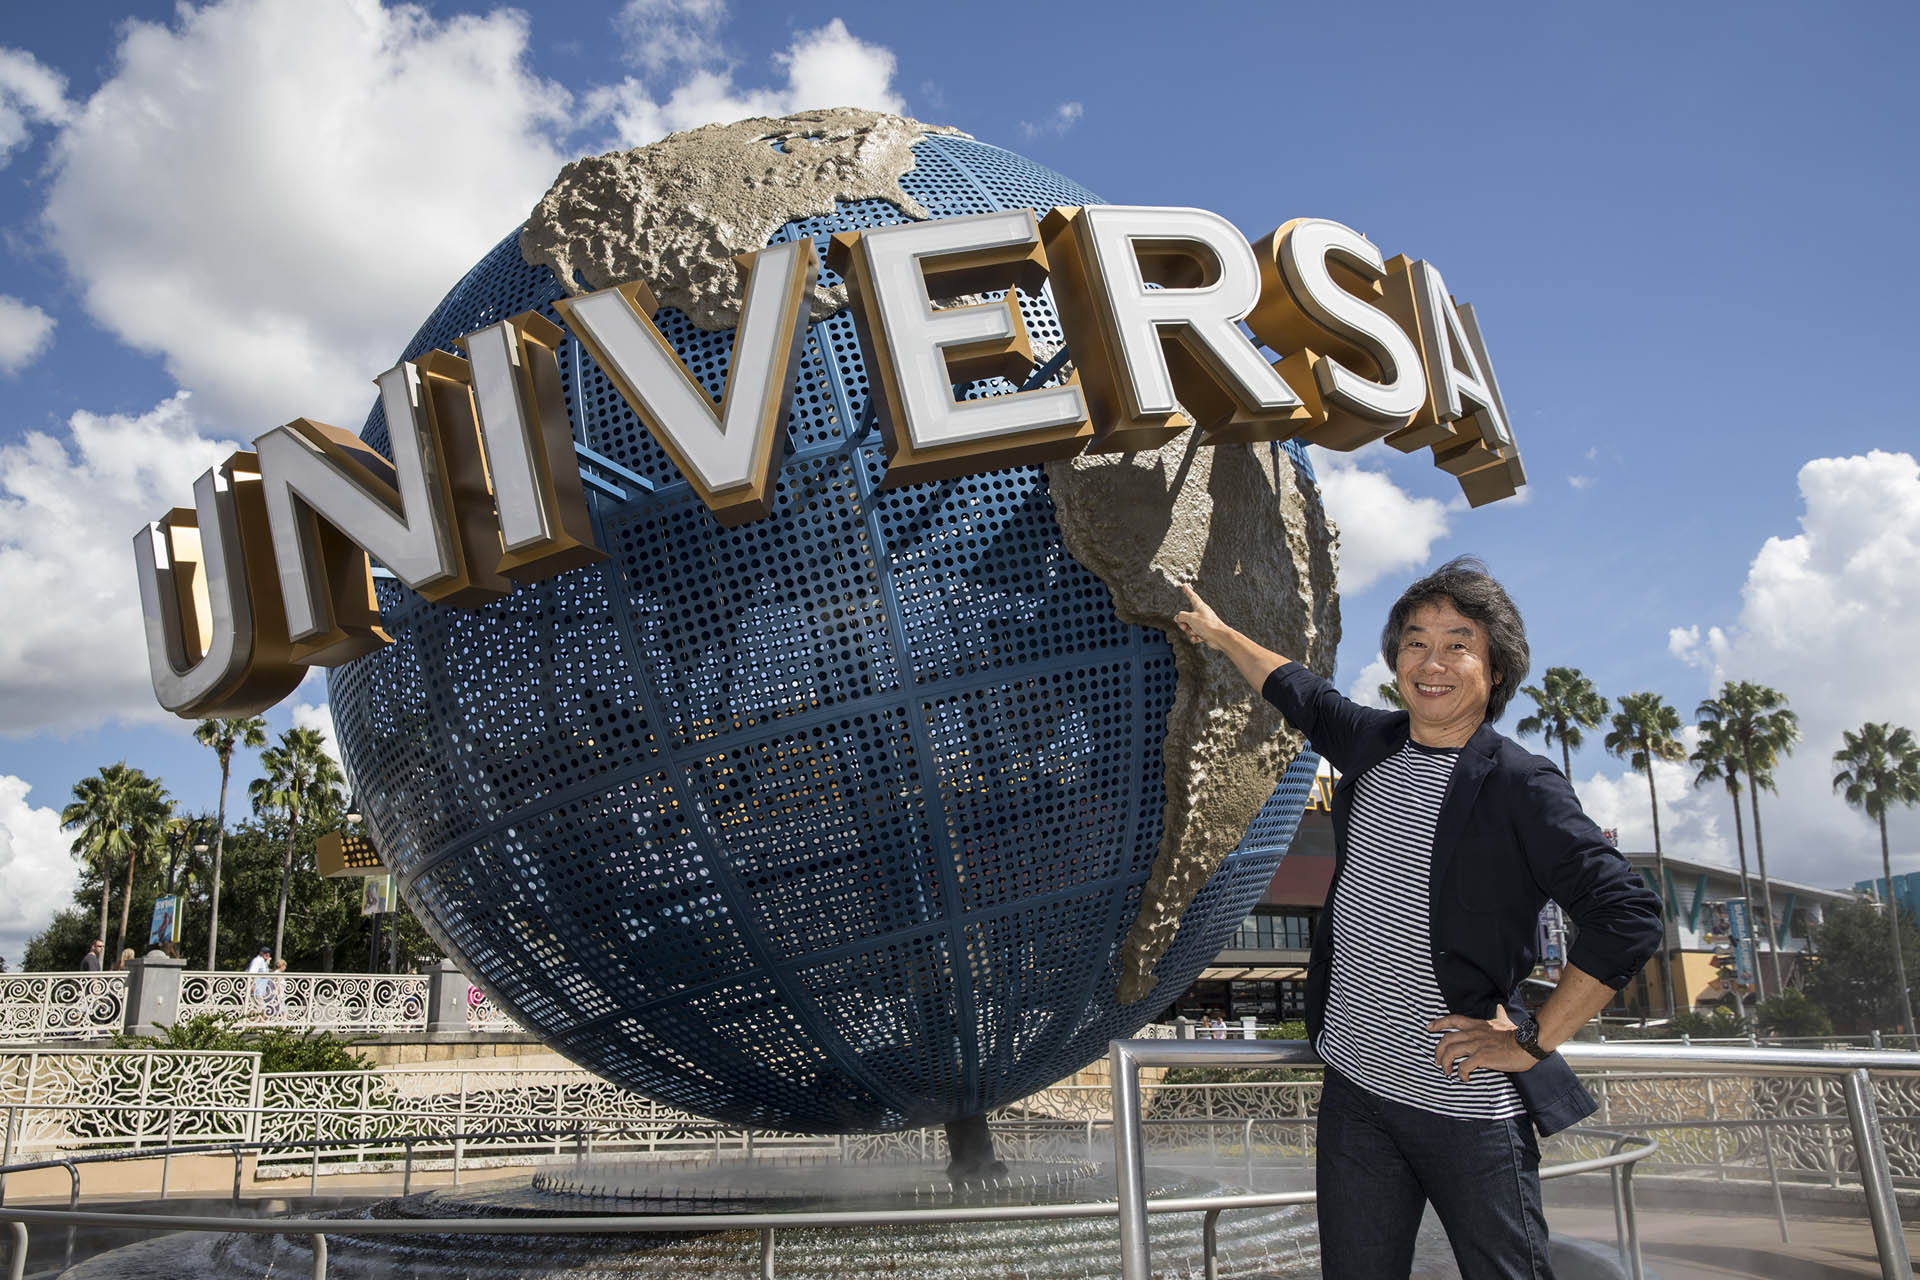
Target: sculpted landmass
(1235, 522)
(677, 212)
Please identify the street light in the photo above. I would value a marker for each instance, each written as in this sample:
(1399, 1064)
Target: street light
(353, 811)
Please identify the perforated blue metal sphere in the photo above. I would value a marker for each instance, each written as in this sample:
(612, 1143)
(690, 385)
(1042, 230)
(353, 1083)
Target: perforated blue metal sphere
(831, 822)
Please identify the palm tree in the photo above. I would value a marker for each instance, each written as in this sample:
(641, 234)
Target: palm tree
(1717, 759)
(299, 773)
(1568, 703)
(1643, 732)
(1390, 694)
(120, 812)
(1757, 722)
(1880, 766)
(223, 736)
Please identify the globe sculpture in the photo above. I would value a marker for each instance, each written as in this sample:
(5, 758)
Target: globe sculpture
(833, 821)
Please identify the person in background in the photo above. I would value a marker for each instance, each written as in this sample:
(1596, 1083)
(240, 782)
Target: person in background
(91, 961)
(276, 992)
(259, 966)
(126, 959)
(1448, 839)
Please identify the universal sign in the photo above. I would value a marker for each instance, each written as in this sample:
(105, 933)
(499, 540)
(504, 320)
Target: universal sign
(270, 571)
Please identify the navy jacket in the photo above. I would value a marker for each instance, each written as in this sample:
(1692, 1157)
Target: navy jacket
(1510, 836)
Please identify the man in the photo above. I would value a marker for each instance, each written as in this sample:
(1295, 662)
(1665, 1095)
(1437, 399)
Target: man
(91, 961)
(260, 967)
(1448, 839)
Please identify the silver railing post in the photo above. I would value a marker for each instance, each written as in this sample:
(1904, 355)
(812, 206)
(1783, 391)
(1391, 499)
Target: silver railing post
(6, 1159)
(1636, 1264)
(319, 1243)
(1210, 1242)
(17, 1269)
(166, 1161)
(1773, 1176)
(1876, 1177)
(1129, 1164)
(766, 1253)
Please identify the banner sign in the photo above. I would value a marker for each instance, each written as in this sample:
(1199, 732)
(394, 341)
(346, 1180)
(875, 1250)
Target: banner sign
(376, 899)
(1551, 939)
(1737, 923)
(166, 921)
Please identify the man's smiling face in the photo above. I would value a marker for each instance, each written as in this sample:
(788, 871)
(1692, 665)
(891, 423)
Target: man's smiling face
(1444, 674)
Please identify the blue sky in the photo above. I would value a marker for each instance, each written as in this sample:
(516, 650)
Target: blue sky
(1681, 226)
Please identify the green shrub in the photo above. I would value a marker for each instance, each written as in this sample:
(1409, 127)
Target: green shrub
(1791, 1013)
(280, 1049)
(1259, 1075)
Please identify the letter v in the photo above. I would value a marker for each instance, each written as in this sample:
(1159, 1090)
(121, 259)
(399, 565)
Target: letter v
(728, 454)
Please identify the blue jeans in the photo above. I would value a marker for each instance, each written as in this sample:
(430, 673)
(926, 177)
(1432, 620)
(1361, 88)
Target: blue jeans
(1381, 1163)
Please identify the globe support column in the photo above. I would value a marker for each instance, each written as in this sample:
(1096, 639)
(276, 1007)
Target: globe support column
(970, 1155)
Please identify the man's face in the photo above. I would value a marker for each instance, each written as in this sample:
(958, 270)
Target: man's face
(98, 947)
(1443, 671)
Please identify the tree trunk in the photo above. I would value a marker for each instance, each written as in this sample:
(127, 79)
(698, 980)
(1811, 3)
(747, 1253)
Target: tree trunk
(1566, 759)
(1740, 843)
(106, 889)
(219, 843)
(1766, 885)
(286, 881)
(1893, 923)
(126, 903)
(1666, 907)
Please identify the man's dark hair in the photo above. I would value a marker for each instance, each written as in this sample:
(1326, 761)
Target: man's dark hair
(1465, 583)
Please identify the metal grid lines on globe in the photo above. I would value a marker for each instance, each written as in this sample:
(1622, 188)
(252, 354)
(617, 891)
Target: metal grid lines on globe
(833, 821)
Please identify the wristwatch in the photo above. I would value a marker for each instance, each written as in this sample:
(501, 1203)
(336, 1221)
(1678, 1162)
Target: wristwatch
(1527, 1036)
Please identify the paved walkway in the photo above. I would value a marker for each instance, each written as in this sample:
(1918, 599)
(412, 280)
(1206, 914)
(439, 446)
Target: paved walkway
(1718, 1244)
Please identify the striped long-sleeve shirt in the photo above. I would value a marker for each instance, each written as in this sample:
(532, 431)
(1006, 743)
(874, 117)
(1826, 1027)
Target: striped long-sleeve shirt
(1383, 992)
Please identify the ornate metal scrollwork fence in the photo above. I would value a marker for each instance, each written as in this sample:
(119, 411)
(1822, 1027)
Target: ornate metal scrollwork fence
(339, 1002)
(36, 1007)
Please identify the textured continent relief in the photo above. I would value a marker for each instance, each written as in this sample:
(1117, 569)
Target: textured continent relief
(677, 212)
(1235, 522)
(1232, 520)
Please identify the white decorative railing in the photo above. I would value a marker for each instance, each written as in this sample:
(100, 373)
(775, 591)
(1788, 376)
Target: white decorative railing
(340, 1002)
(73, 1099)
(484, 1015)
(1724, 1126)
(62, 1006)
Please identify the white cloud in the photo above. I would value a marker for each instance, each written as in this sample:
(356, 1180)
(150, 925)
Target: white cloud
(68, 508)
(826, 67)
(25, 332)
(1580, 482)
(37, 871)
(1064, 117)
(1365, 688)
(307, 715)
(1828, 617)
(273, 196)
(660, 34)
(30, 93)
(1694, 821)
(1383, 529)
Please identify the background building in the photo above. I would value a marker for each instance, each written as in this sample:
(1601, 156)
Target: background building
(1906, 892)
(1691, 890)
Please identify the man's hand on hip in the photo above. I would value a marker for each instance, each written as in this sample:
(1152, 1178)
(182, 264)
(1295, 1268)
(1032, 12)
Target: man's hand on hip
(1468, 1045)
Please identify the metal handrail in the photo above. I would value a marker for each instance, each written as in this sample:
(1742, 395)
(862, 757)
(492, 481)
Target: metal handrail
(1854, 1069)
(317, 1229)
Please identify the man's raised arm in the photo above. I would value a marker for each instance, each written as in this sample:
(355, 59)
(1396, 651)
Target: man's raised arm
(1200, 624)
